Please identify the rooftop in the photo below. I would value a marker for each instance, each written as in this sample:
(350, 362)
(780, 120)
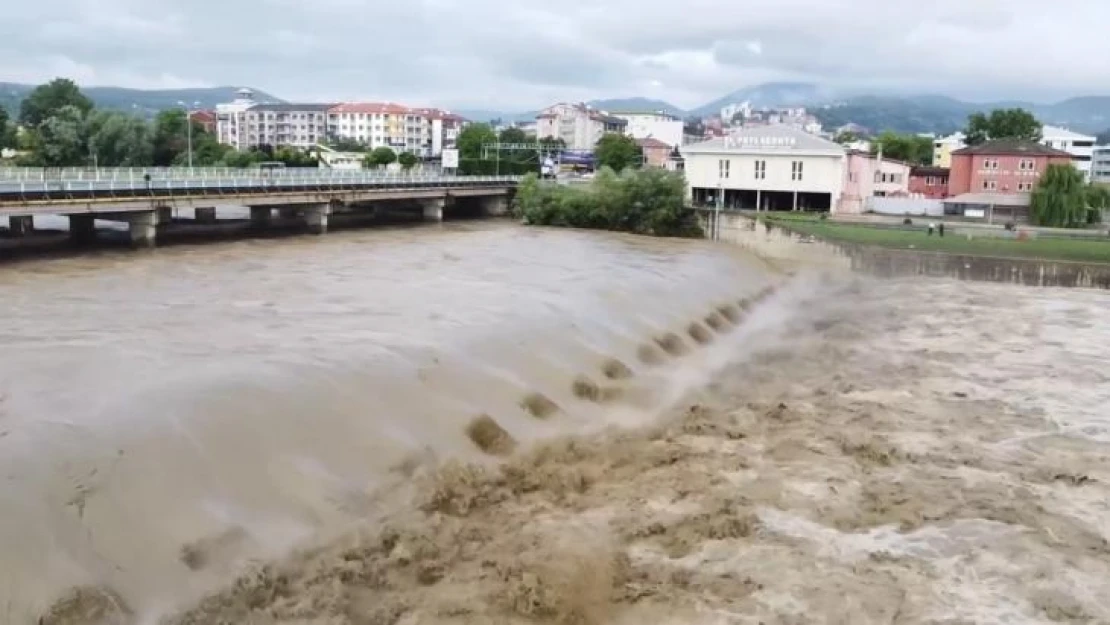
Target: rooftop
(369, 107)
(652, 143)
(289, 108)
(1057, 133)
(1012, 147)
(773, 138)
(928, 170)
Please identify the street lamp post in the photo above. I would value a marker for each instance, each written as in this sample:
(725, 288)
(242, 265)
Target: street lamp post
(189, 130)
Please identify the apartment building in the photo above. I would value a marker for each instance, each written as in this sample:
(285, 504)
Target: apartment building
(996, 178)
(1100, 164)
(943, 147)
(578, 125)
(441, 129)
(247, 124)
(1080, 146)
(659, 125)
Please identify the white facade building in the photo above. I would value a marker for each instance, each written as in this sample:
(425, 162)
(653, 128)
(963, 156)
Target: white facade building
(578, 125)
(774, 167)
(662, 126)
(1080, 146)
(1100, 164)
(246, 124)
(231, 120)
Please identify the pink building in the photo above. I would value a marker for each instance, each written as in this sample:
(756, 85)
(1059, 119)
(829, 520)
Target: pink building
(1002, 166)
(867, 175)
(993, 180)
(655, 151)
(929, 182)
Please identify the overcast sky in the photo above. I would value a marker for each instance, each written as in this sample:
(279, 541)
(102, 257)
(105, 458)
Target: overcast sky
(520, 54)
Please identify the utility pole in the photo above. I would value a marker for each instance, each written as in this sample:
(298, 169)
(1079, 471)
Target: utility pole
(715, 232)
(189, 129)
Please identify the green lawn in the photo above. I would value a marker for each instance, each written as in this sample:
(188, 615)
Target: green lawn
(1082, 250)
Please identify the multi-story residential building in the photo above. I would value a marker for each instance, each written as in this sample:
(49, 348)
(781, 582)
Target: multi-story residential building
(943, 146)
(997, 177)
(1080, 146)
(578, 125)
(293, 125)
(929, 182)
(867, 175)
(774, 167)
(729, 112)
(424, 132)
(1100, 164)
(247, 124)
(231, 120)
(659, 125)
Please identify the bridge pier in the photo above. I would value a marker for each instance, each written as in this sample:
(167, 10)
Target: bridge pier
(82, 229)
(287, 212)
(433, 209)
(316, 216)
(142, 228)
(21, 225)
(260, 216)
(164, 214)
(496, 206)
(206, 215)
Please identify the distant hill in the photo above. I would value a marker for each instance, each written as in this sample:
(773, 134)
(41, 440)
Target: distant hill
(769, 95)
(142, 101)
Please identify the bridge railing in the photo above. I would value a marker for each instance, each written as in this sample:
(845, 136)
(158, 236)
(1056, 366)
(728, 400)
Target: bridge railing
(81, 174)
(240, 185)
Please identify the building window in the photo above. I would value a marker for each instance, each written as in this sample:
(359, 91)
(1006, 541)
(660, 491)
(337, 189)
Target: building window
(723, 166)
(1025, 186)
(760, 170)
(796, 170)
(990, 163)
(1026, 165)
(990, 185)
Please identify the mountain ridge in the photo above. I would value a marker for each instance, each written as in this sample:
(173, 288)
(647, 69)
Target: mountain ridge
(145, 102)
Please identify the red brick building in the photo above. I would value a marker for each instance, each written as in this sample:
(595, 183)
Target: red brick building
(656, 152)
(1002, 166)
(993, 180)
(929, 182)
(205, 120)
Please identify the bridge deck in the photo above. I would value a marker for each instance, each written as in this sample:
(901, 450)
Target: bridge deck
(127, 193)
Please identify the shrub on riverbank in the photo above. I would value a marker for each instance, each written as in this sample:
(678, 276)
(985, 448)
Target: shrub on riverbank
(646, 201)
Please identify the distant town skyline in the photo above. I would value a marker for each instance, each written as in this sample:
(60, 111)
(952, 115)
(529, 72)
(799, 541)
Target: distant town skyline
(527, 54)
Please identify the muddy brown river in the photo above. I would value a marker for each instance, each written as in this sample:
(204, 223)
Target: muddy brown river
(284, 431)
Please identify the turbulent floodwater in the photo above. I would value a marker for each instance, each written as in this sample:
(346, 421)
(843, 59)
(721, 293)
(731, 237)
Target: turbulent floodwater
(843, 451)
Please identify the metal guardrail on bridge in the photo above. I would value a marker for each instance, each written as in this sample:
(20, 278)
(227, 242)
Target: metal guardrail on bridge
(107, 189)
(139, 174)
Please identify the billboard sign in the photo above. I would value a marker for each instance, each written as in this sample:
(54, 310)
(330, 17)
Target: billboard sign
(450, 159)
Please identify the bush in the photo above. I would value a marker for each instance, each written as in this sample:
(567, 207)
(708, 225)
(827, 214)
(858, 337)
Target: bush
(650, 201)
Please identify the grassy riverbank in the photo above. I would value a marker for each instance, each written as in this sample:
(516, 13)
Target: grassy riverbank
(916, 238)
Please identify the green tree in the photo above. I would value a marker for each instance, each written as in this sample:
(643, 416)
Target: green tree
(1060, 198)
(472, 138)
(512, 134)
(46, 100)
(846, 137)
(909, 148)
(7, 130)
(1015, 123)
(552, 143)
(346, 145)
(648, 201)
(380, 156)
(60, 140)
(119, 140)
(618, 152)
(171, 137)
(407, 160)
(1098, 202)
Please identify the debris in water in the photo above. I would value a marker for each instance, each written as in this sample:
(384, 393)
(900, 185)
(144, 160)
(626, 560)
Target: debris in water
(699, 333)
(489, 436)
(585, 388)
(649, 355)
(198, 555)
(89, 605)
(538, 405)
(616, 370)
(672, 344)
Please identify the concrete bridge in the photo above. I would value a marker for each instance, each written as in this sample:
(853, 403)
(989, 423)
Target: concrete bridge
(145, 198)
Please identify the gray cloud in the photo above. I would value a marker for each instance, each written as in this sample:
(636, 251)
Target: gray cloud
(488, 53)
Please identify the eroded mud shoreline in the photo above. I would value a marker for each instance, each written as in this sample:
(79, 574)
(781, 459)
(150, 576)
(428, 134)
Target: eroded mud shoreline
(897, 452)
